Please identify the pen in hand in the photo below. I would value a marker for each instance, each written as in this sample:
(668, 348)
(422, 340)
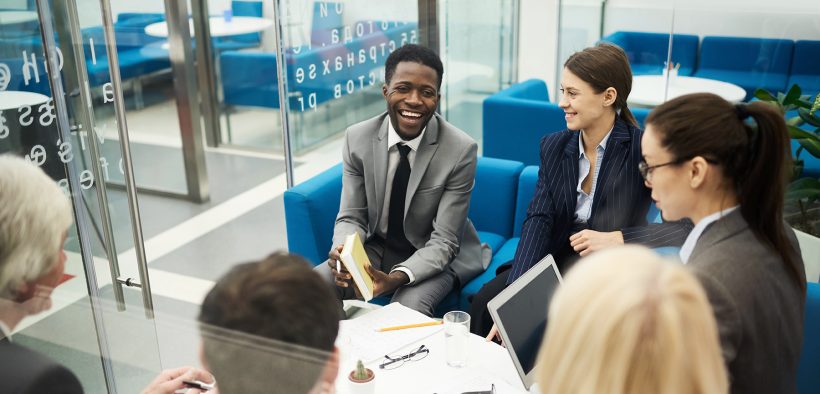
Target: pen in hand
(200, 385)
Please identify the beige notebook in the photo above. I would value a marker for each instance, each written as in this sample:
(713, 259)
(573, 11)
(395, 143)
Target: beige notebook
(355, 259)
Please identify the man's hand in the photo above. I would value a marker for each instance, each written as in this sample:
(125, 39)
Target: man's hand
(386, 283)
(341, 277)
(171, 380)
(587, 241)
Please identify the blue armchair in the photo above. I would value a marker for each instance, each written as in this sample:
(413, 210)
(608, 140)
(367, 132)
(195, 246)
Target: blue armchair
(516, 118)
(311, 208)
(647, 52)
(750, 63)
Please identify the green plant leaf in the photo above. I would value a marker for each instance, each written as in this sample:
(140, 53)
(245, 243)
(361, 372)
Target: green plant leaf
(803, 103)
(781, 97)
(812, 145)
(804, 188)
(797, 169)
(813, 120)
(798, 133)
(765, 95)
(793, 95)
(795, 121)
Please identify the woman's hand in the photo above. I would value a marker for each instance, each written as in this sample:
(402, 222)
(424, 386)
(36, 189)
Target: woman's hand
(585, 242)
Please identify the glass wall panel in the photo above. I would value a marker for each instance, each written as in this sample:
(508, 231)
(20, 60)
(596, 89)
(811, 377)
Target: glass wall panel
(86, 329)
(478, 53)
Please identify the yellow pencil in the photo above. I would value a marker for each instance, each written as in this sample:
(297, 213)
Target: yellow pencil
(394, 328)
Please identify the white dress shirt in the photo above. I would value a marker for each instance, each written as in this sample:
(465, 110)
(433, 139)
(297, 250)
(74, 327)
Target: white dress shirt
(583, 205)
(393, 157)
(5, 331)
(691, 240)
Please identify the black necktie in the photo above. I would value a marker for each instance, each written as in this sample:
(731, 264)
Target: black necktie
(397, 248)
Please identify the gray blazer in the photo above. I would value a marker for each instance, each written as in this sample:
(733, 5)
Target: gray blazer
(25, 371)
(759, 308)
(438, 196)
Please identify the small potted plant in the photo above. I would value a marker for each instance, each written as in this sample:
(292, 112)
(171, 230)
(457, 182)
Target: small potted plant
(362, 380)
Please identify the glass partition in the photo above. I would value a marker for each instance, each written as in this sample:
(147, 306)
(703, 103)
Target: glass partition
(478, 51)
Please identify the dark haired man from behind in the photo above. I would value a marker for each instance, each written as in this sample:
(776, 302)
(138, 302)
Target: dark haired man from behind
(406, 185)
(270, 326)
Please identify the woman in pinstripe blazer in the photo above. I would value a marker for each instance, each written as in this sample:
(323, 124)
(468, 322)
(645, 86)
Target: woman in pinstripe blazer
(589, 193)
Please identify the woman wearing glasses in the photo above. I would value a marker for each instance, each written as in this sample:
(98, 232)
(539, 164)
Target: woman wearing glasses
(589, 193)
(705, 161)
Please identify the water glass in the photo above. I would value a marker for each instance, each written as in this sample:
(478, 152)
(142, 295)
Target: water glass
(456, 336)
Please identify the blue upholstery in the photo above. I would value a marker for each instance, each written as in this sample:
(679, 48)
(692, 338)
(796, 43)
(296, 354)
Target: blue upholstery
(808, 371)
(526, 189)
(647, 52)
(516, 118)
(250, 78)
(134, 59)
(311, 208)
(640, 114)
(805, 69)
(310, 213)
(750, 63)
(492, 204)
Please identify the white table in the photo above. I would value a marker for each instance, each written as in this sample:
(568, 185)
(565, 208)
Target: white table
(14, 17)
(218, 26)
(13, 99)
(487, 363)
(648, 90)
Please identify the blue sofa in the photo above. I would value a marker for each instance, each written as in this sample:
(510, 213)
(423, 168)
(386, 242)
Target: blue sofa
(497, 210)
(808, 371)
(750, 63)
(647, 52)
(805, 70)
(516, 118)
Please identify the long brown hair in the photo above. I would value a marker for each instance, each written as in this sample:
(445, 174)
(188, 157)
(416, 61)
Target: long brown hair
(756, 158)
(604, 66)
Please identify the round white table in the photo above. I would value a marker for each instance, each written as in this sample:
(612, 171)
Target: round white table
(648, 90)
(13, 99)
(218, 26)
(13, 17)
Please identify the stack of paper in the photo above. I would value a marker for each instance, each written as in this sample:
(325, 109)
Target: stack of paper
(364, 342)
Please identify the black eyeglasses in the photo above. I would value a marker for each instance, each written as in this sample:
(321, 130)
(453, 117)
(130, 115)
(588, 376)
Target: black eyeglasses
(397, 361)
(646, 169)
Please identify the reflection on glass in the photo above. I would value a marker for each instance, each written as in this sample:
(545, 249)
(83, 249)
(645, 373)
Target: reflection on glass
(335, 53)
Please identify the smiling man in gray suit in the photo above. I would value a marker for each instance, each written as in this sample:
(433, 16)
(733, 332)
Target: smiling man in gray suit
(408, 175)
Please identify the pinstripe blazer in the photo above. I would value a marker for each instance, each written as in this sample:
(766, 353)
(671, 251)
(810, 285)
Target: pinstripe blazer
(621, 200)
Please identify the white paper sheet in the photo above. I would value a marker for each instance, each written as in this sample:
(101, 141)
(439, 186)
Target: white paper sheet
(364, 342)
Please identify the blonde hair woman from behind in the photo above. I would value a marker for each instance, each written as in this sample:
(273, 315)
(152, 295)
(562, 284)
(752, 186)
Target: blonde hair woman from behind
(627, 321)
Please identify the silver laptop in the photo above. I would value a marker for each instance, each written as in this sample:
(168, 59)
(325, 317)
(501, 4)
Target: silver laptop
(520, 313)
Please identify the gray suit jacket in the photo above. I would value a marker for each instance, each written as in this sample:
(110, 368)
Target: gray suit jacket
(438, 196)
(759, 308)
(25, 371)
